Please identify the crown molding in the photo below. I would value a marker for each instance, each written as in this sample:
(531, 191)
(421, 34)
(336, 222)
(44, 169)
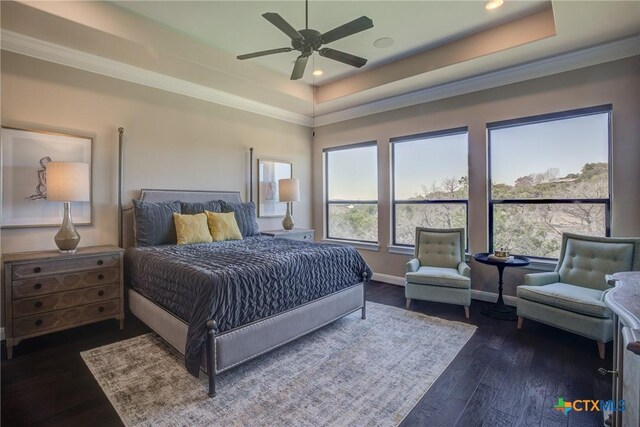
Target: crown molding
(29, 46)
(612, 51)
(40, 49)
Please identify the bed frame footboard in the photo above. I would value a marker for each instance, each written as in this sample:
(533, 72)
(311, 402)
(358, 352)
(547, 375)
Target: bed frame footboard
(226, 350)
(212, 329)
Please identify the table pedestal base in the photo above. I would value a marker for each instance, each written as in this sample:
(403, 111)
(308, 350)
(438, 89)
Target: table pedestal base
(500, 311)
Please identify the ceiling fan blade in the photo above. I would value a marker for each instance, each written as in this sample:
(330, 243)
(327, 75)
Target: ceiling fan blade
(265, 52)
(282, 25)
(345, 58)
(353, 27)
(298, 68)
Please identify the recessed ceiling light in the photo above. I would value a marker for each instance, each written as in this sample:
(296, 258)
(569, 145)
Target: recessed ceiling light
(318, 72)
(383, 42)
(493, 4)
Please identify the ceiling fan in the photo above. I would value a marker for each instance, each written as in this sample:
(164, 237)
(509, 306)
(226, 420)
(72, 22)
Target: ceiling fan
(308, 40)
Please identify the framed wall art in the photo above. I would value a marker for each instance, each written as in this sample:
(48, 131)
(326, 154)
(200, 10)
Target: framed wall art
(269, 172)
(25, 154)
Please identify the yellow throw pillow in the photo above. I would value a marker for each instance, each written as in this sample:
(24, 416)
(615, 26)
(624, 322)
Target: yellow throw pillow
(223, 226)
(191, 228)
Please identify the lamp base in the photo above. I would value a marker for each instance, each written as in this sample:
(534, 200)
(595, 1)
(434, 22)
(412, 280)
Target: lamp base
(67, 238)
(287, 222)
(70, 251)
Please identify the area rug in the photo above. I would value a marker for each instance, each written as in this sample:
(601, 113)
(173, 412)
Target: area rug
(353, 372)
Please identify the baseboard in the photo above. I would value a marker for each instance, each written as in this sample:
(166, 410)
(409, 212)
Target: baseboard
(492, 297)
(475, 294)
(387, 278)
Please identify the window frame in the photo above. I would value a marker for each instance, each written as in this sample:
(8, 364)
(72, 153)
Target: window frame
(543, 118)
(328, 202)
(409, 138)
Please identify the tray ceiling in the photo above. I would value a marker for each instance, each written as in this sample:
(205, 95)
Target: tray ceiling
(441, 48)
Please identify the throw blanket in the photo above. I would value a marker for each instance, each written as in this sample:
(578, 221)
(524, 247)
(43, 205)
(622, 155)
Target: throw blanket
(238, 282)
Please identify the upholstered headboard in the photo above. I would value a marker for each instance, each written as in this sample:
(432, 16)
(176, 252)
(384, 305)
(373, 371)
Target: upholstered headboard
(147, 195)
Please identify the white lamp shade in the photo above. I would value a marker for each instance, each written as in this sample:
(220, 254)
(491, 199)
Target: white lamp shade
(68, 182)
(289, 190)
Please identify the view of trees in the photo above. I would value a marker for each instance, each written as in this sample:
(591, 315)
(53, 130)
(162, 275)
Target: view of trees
(530, 229)
(536, 229)
(354, 222)
(590, 183)
(434, 215)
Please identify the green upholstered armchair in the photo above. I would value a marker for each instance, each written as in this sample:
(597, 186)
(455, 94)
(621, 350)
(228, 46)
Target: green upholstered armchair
(438, 272)
(572, 296)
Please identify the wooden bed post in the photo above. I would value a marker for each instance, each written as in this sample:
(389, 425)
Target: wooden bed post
(364, 296)
(212, 328)
(251, 174)
(120, 185)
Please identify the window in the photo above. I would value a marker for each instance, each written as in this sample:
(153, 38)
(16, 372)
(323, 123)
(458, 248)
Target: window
(351, 174)
(430, 182)
(549, 174)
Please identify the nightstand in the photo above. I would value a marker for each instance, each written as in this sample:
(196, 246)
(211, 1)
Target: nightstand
(295, 234)
(49, 291)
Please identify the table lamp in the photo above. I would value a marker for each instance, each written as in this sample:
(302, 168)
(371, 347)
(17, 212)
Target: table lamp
(289, 191)
(67, 182)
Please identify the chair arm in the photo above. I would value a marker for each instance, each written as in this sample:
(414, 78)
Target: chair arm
(413, 265)
(464, 269)
(540, 279)
(605, 292)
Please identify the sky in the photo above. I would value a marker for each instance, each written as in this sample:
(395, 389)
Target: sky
(516, 151)
(563, 144)
(428, 162)
(353, 174)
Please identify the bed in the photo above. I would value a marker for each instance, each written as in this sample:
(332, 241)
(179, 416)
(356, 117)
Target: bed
(222, 304)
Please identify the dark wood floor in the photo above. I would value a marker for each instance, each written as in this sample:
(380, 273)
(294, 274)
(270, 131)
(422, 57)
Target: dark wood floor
(502, 377)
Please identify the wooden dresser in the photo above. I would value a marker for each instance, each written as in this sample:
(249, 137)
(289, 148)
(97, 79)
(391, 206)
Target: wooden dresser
(48, 291)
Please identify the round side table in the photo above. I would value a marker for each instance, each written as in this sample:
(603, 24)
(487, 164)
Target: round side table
(499, 310)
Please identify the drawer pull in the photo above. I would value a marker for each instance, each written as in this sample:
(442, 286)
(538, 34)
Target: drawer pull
(37, 285)
(100, 276)
(603, 372)
(100, 262)
(38, 322)
(38, 304)
(100, 309)
(100, 293)
(37, 270)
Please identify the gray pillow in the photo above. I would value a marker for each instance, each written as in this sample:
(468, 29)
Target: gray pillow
(192, 208)
(154, 222)
(245, 216)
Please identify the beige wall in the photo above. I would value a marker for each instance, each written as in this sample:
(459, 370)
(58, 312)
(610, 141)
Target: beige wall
(172, 141)
(616, 82)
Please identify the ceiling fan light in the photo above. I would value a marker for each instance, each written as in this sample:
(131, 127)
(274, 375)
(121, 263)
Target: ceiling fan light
(493, 4)
(318, 73)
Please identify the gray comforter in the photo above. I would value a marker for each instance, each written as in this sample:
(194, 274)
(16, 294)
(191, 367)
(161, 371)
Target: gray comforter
(238, 282)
